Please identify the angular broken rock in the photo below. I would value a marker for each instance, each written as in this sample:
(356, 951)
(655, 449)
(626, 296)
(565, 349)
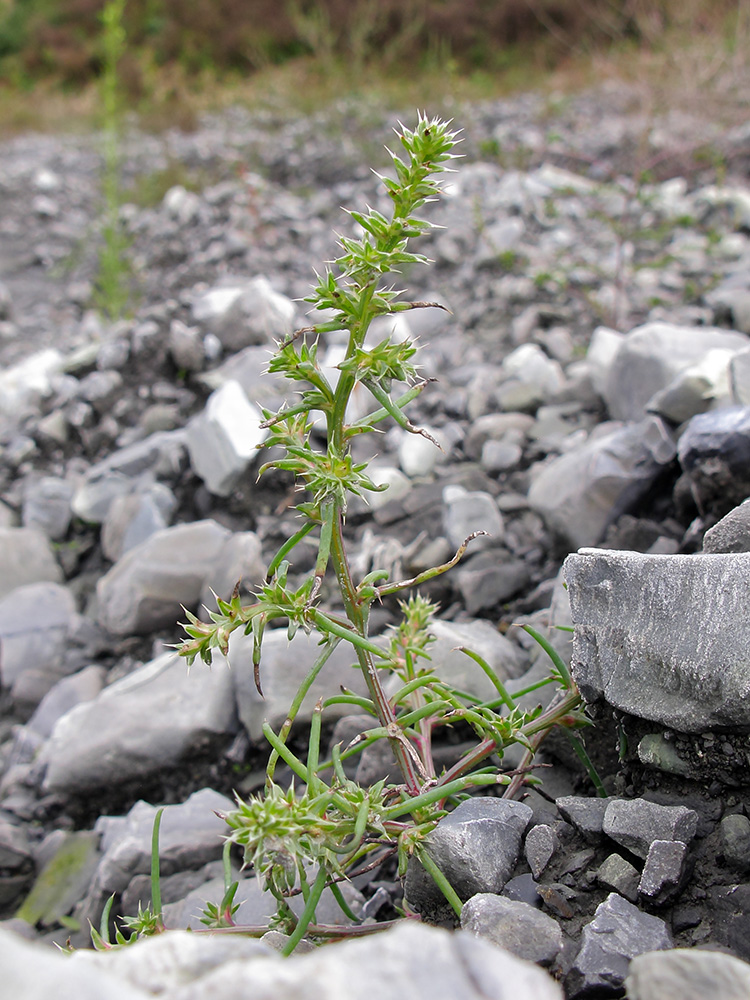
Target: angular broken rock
(583, 491)
(664, 638)
(651, 356)
(518, 927)
(476, 847)
(637, 823)
(618, 932)
(223, 440)
(149, 720)
(146, 589)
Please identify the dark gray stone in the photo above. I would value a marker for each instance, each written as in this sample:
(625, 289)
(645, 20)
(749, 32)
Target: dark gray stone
(618, 874)
(476, 847)
(714, 452)
(540, 846)
(663, 871)
(586, 814)
(636, 823)
(735, 840)
(618, 932)
(663, 637)
(519, 928)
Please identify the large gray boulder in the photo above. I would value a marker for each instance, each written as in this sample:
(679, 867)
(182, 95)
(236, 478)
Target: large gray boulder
(665, 638)
(144, 722)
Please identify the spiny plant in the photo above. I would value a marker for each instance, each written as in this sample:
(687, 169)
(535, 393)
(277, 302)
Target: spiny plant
(317, 832)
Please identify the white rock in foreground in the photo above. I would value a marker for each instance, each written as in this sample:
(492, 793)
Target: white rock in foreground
(223, 440)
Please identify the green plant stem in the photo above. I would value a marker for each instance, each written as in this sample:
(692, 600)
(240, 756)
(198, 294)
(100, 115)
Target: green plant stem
(382, 705)
(316, 891)
(440, 880)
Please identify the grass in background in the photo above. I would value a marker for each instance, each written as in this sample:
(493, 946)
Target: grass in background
(185, 59)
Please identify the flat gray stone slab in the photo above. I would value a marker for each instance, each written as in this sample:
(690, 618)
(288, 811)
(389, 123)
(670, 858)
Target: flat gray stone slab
(663, 637)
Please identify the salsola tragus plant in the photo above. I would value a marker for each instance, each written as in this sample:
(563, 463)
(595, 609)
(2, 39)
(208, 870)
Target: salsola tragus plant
(315, 833)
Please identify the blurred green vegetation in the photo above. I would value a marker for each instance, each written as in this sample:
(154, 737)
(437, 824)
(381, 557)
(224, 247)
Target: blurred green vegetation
(177, 49)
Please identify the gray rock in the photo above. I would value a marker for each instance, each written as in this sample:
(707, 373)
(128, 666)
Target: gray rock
(651, 356)
(147, 588)
(186, 346)
(487, 579)
(37, 972)
(636, 823)
(735, 840)
(618, 874)
(376, 968)
(25, 557)
(47, 506)
(494, 427)
(183, 205)
(144, 722)
(15, 849)
(618, 932)
(190, 835)
(36, 623)
(134, 517)
(499, 456)
(465, 512)
(240, 560)
(506, 658)
(731, 533)
(284, 665)
(224, 439)
(580, 493)
(517, 927)
(662, 637)
(65, 695)
(166, 962)
(101, 389)
(242, 313)
(739, 376)
(687, 974)
(418, 456)
(714, 452)
(476, 847)
(586, 814)
(540, 846)
(663, 871)
(159, 456)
